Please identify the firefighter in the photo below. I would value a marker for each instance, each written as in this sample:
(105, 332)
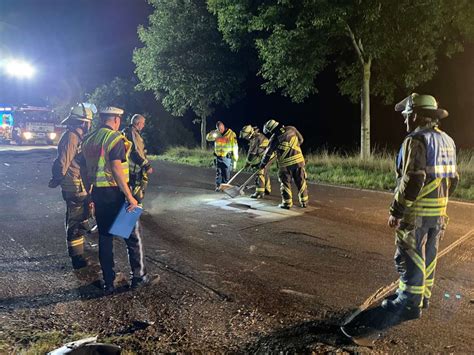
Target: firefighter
(426, 177)
(105, 155)
(258, 143)
(66, 172)
(226, 152)
(140, 167)
(286, 142)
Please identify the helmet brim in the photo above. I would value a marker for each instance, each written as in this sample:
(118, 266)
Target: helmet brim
(438, 113)
(74, 118)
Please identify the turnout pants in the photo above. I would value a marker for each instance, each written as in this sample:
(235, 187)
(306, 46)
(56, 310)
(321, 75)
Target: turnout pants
(138, 184)
(416, 256)
(262, 182)
(223, 170)
(108, 202)
(285, 176)
(76, 222)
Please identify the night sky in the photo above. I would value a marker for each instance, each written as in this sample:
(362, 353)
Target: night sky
(78, 45)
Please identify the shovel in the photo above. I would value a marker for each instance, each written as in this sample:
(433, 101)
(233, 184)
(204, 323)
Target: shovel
(234, 191)
(228, 185)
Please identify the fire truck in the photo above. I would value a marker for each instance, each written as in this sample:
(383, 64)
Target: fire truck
(6, 124)
(33, 125)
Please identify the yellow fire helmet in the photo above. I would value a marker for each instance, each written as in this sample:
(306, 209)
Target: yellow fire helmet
(79, 113)
(270, 126)
(247, 132)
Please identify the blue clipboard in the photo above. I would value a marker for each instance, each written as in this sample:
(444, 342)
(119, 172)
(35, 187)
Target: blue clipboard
(125, 221)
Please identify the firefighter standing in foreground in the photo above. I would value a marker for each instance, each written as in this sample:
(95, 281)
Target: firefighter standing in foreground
(66, 173)
(427, 176)
(226, 151)
(105, 154)
(286, 141)
(258, 143)
(140, 167)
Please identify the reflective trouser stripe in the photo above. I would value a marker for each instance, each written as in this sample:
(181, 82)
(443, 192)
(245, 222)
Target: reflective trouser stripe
(416, 259)
(75, 242)
(260, 181)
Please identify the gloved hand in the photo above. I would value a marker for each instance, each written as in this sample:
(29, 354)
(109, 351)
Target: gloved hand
(53, 183)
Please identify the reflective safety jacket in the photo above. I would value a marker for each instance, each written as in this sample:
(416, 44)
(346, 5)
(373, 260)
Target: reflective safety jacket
(138, 159)
(286, 142)
(96, 148)
(426, 174)
(66, 169)
(257, 146)
(225, 145)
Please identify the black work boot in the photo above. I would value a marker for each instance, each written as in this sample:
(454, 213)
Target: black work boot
(78, 262)
(268, 192)
(257, 195)
(304, 204)
(138, 282)
(401, 309)
(284, 206)
(108, 289)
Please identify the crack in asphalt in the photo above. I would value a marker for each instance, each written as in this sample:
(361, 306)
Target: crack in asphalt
(165, 267)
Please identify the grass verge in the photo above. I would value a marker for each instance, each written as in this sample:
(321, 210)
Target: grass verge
(340, 169)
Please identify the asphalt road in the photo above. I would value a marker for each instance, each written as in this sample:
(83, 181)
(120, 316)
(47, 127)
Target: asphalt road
(236, 274)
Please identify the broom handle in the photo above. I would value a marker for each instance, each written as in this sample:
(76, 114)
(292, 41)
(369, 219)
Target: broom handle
(253, 175)
(233, 177)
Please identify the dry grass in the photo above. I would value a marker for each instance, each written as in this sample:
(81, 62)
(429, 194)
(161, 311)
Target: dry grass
(341, 169)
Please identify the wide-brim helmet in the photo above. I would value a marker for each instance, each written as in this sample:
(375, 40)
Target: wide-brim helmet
(426, 105)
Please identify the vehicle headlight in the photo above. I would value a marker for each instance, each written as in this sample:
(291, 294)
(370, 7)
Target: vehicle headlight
(52, 135)
(27, 135)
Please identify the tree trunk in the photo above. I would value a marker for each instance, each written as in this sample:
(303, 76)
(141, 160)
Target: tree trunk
(203, 133)
(365, 112)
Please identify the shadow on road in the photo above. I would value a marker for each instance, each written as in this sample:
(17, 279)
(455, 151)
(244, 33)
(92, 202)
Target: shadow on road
(90, 291)
(301, 338)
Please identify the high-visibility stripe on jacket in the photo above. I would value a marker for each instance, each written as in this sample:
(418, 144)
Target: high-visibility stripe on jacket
(289, 150)
(440, 168)
(226, 144)
(257, 146)
(96, 148)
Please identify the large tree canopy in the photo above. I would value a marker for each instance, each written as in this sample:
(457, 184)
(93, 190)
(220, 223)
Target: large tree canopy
(377, 46)
(161, 130)
(185, 61)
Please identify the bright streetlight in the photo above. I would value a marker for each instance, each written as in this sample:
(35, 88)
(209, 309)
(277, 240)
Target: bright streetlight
(19, 69)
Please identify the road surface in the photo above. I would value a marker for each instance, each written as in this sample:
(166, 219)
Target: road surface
(235, 274)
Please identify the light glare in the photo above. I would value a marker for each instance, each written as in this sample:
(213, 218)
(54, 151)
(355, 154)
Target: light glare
(19, 69)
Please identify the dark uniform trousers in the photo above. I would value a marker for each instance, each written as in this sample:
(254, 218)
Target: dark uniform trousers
(76, 222)
(108, 202)
(223, 170)
(298, 174)
(416, 256)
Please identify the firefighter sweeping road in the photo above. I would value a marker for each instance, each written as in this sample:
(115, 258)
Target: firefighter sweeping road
(235, 274)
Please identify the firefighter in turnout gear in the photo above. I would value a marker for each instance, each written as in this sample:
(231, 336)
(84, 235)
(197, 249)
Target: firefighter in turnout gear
(258, 144)
(105, 154)
(66, 173)
(226, 151)
(426, 177)
(140, 167)
(286, 142)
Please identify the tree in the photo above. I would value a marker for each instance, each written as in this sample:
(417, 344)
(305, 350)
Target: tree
(378, 46)
(161, 131)
(185, 61)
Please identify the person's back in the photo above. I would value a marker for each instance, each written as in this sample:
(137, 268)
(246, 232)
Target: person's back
(289, 147)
